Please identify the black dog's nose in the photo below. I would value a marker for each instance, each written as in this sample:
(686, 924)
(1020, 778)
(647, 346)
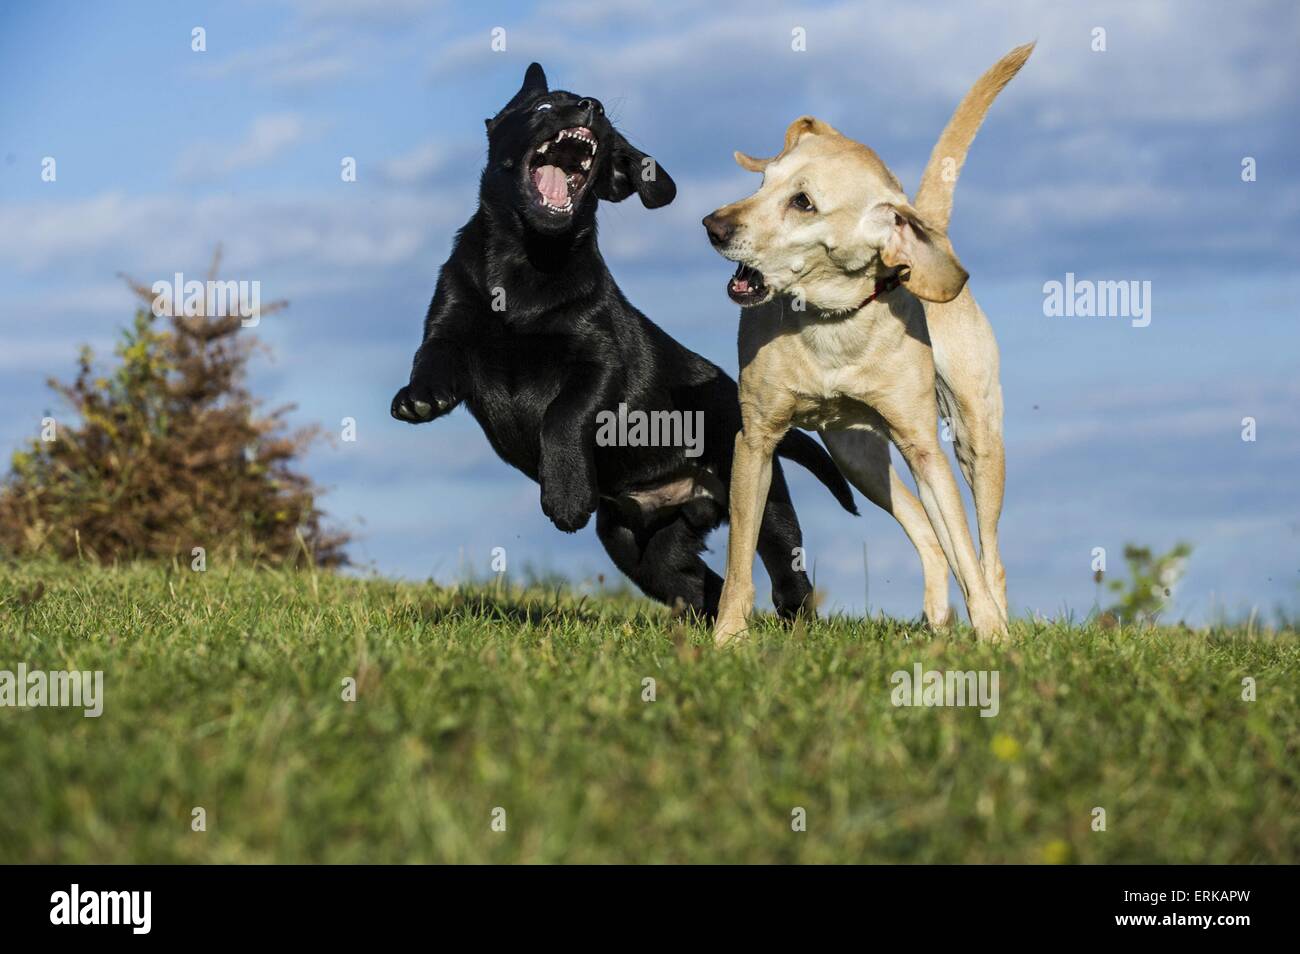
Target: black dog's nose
(720, 230)
(591, 107)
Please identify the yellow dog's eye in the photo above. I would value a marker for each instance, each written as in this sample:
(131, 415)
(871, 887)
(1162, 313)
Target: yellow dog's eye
(803, 203)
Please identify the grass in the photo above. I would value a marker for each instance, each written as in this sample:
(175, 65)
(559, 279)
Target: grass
(224, 690)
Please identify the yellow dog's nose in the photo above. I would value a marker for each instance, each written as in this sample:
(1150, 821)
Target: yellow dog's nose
(720, 229)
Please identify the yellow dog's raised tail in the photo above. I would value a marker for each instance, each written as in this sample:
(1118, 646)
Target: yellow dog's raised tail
(934, 196)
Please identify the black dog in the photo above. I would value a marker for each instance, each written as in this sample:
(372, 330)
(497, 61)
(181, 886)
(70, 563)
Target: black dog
(528, 329)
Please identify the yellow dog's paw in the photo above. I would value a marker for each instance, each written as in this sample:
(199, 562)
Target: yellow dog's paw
(993, 632)
(727, 630)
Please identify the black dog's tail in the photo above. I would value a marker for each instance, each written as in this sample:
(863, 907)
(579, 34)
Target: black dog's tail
(806, 452)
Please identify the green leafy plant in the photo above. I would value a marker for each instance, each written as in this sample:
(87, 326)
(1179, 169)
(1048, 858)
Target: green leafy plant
(1151, 583)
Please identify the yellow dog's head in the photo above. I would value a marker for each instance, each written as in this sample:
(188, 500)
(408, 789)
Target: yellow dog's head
(829, 220)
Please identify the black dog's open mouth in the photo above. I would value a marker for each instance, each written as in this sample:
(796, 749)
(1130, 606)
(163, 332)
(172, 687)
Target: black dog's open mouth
(746, 286)
(560, 167)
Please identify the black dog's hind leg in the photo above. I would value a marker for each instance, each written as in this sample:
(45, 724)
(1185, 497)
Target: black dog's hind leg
(780, 546)
(663, 559)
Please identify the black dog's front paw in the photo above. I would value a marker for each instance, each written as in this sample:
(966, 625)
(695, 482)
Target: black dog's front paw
(568, 509)
(418, 403)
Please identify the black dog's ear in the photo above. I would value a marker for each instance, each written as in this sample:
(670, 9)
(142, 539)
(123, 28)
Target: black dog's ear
(631, 170)
(534, 84)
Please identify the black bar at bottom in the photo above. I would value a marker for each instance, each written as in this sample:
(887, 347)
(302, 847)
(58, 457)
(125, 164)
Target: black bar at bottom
(334, 904)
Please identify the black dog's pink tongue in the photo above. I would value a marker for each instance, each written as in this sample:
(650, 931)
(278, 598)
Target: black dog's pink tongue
(552, 184)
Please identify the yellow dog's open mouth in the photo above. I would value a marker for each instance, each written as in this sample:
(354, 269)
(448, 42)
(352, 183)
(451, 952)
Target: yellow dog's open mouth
(747, 286)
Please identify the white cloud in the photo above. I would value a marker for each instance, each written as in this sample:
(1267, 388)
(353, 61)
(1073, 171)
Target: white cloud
(348, 231)
(267, 138)
(54, 354)
(300, 60)
(416, 166)
(381, 12)
(1164, 62)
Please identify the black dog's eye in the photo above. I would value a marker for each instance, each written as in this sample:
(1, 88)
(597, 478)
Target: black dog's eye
(803, 203)
(540, 106)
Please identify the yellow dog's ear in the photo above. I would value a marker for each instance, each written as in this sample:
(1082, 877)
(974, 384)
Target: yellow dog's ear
(801, 127)
(804, 126)
(934, 273)
(749, 163)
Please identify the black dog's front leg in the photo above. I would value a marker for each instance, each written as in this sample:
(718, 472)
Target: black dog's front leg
(432, 391)
(434, 386)
(568, 466)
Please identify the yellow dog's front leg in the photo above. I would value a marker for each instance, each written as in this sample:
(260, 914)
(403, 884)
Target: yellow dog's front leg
(751, 476)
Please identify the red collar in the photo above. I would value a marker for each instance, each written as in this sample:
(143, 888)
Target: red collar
(883, 287)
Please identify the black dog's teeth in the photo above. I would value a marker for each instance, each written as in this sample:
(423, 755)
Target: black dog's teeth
(571, 151)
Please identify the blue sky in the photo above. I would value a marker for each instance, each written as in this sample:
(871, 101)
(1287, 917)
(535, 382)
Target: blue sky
(1115, 165)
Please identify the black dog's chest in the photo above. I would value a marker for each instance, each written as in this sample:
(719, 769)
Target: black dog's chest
(513, 385)
(526, 372)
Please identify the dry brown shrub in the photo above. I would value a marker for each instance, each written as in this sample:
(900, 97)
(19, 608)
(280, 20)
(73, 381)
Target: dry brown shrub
(169, 451)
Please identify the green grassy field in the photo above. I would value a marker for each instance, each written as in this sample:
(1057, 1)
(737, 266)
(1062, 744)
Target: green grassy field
(223, 690)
